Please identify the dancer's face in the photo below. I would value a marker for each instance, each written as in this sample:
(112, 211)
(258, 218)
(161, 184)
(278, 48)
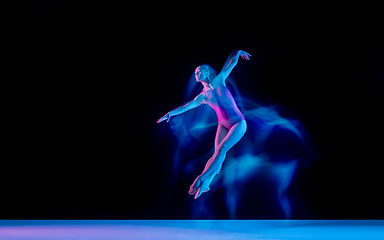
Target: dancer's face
(201, 74)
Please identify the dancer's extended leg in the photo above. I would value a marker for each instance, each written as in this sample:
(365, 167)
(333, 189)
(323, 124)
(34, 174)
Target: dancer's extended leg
(234, 135)
(220, 135)
(204, 186)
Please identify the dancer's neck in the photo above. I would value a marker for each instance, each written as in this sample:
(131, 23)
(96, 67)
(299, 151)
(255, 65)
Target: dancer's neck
(207, 86)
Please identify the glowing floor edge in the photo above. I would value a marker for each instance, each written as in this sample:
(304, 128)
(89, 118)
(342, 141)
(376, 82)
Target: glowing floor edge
(191, 229)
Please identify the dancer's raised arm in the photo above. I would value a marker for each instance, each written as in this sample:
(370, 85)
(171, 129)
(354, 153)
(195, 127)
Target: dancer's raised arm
(231, 63)
(183, 108)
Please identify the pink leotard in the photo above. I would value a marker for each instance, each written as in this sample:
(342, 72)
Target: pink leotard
(221, 100)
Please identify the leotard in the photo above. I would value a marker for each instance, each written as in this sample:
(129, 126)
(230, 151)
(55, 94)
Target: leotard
(221, 100)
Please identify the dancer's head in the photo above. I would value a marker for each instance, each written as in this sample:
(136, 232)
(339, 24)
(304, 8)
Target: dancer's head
(202, 74)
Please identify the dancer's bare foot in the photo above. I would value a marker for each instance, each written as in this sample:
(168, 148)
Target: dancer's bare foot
(195, 186)
(204, 187)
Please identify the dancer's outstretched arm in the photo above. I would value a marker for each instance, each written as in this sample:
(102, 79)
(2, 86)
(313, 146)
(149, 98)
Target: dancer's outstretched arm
(183, 108)
(231, 63)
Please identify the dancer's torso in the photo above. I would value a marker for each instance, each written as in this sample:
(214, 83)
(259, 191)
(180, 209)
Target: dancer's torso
(221, 100)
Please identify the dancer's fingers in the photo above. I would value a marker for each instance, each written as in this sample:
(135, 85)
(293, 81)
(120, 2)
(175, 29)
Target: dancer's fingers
(245, 56)
(161, 119)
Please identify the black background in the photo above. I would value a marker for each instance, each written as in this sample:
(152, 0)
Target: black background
(89, 80)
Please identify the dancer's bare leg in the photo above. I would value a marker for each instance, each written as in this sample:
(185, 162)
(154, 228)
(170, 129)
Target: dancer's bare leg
(214, 164)
(220, 135)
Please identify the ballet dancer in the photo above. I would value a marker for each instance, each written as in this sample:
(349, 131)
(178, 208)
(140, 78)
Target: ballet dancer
(231, 122)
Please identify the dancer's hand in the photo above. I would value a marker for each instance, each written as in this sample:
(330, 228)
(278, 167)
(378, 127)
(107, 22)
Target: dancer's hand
(244, 55)
(165, 117)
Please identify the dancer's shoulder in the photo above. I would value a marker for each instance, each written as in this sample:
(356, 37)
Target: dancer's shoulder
(202, 97)
(219, 80)
(218, 84)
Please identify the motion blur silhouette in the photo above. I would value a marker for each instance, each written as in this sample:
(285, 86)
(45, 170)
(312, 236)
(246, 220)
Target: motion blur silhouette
(268, 146)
